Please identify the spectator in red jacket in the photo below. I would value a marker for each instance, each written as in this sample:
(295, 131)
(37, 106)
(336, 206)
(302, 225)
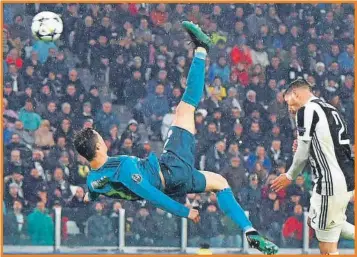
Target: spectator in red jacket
(293, 228)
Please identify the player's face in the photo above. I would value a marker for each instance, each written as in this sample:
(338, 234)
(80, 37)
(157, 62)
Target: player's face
(293, 102)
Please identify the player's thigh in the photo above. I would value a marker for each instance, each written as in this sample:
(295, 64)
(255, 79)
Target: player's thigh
(327, 216)
(214, 181)
(184, 117)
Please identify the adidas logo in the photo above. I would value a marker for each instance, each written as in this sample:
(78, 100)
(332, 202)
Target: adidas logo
(332, 223)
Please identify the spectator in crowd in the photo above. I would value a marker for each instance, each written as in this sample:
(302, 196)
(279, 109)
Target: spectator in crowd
(78, 208)
(16, 221)
(216, 158)
(236, 174)
(167, 227)
(273, 213)
(250, 198)
(29, 117)
(213, 228)
(155, 107)
(293, 228)
(142, 227)
(100, 228)
(40, 226)
(43, 135)
(105, 118)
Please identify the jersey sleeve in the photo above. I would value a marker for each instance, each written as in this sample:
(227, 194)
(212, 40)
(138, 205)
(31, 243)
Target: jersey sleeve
(306, 120)
(140, 186)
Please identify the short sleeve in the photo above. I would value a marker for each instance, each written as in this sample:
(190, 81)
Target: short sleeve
(306, 120)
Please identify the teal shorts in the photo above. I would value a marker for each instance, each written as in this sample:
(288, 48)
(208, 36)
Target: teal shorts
(177, 164)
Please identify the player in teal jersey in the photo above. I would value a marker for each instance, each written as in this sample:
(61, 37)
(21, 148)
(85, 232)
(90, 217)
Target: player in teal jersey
(173, 174)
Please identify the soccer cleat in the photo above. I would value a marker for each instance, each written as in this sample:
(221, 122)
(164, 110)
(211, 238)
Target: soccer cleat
(198, 37)
(261, 243)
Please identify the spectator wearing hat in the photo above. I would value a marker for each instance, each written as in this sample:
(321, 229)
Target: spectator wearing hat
(131, 132)
(29, 117)
(250, 199)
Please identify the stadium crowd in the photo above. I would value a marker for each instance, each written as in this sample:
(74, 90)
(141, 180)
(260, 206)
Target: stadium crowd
(114, 59)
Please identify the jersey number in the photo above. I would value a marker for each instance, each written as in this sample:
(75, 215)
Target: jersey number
(342, 131)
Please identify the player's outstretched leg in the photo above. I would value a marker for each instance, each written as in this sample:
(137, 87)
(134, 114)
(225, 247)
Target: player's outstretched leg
(184, 117)
(230, 207)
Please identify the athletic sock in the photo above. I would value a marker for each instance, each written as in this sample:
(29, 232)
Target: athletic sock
(229, 205)
(196, 78)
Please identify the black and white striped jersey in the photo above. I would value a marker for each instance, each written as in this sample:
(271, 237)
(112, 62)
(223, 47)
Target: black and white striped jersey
(330, 151)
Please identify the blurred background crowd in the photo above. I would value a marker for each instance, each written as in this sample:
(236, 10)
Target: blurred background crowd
(122, 69)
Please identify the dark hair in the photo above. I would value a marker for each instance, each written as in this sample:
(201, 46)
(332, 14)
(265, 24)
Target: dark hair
(85, 143)
(298, 83)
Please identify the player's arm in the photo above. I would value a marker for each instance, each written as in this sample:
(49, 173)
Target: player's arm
(140, 186)
(306, 120)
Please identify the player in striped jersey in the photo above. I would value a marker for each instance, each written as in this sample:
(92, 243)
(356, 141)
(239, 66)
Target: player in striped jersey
(323, 141)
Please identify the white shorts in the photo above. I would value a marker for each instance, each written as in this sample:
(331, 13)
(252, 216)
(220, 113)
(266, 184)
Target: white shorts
(327, 214)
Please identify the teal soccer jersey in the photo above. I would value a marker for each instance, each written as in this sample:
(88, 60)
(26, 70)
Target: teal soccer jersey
(131, 178)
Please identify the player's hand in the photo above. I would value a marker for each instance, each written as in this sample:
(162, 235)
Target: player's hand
(86, 198)
(295, 145)
(194, 215)
(280, 183)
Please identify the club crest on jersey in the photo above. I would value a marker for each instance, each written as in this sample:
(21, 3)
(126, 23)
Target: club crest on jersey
(137, 178)
(301, 131)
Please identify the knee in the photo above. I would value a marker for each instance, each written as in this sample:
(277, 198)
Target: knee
(223, 183)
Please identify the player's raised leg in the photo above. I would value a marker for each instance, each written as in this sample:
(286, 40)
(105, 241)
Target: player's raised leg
(184, 117)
